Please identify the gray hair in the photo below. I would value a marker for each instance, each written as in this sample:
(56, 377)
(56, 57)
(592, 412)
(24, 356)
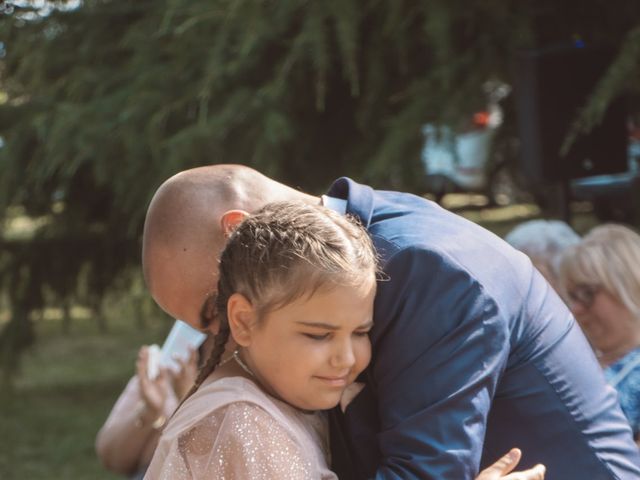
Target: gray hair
(544, 240)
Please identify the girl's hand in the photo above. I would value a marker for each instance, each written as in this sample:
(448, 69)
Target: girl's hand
(502, 468)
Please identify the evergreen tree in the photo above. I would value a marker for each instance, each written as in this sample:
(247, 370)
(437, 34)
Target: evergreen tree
(105, 99)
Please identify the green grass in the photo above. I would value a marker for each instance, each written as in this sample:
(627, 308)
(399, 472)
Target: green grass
(63, 393)
(500, 220)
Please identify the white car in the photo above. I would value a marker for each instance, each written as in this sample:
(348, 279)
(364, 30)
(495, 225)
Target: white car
(457, 160)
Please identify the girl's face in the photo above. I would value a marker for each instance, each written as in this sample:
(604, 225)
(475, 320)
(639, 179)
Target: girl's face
(307, 352)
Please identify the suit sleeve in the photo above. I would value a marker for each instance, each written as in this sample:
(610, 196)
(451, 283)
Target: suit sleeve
(440, 346)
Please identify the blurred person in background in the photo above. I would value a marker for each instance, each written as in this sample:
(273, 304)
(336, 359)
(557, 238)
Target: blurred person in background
(543, 241)
(601, 277)
(126, 442)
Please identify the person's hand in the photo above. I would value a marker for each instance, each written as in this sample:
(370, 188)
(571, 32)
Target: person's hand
(501, 470)
(184, 379)
(153, 392)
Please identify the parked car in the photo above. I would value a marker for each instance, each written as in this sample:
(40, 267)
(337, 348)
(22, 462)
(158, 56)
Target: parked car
(615, 197)
(457, 160)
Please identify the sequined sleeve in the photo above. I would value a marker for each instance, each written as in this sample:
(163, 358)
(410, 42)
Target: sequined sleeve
(238, 441)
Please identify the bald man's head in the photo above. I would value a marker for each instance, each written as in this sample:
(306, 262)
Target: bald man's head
(183, 234)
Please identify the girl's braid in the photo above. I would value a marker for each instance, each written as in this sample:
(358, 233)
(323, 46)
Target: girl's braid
(207, 315)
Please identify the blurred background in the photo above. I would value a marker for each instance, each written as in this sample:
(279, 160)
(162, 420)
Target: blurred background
(502, 111)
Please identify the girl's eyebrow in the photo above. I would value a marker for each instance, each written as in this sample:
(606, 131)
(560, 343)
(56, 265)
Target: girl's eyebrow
(328, 326)
(369, 324)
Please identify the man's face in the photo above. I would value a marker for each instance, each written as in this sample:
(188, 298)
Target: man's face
(180, 281)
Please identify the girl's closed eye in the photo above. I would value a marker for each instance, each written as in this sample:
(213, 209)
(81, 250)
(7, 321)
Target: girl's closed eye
(361, 333)
(363, 330)
(315, 336)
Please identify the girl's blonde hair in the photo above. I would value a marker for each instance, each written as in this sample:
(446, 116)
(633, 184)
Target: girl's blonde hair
(284, 252)
(607, 257)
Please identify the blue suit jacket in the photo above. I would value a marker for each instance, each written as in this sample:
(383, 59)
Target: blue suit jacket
(473, 353)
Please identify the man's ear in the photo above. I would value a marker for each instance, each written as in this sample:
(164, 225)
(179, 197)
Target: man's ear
(242, 319)
(231, 219)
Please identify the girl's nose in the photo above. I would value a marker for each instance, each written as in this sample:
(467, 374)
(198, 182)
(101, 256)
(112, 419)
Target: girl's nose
(343, 356)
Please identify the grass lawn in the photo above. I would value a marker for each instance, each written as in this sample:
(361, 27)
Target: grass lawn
(65, 389)
(69, 382)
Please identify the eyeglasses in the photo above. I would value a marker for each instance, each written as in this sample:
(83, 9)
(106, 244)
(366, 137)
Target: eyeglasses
(583, 294)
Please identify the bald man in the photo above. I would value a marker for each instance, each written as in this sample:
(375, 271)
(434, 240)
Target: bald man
(473, 353)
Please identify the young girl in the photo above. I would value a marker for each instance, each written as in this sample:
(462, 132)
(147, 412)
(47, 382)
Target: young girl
(295, 305)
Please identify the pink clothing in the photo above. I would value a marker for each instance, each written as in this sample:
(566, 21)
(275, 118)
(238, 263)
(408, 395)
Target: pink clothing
(231, 429)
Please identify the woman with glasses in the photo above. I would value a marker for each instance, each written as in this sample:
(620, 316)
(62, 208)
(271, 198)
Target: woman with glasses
(601, 280)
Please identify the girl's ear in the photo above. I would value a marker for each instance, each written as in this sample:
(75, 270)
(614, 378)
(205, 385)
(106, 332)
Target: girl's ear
(242, 319)
(231, 219)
